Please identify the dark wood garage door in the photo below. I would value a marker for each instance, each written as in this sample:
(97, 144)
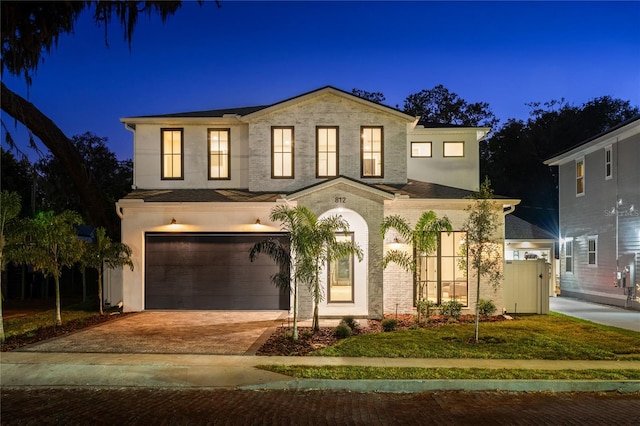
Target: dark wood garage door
(210, 271)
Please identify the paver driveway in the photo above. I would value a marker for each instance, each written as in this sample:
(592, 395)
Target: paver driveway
(169, 332)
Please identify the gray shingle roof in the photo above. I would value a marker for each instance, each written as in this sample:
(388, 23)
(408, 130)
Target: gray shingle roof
(519, 229)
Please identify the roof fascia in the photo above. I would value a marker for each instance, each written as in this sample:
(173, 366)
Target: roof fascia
(328, 90)
(181, 121)
(609, 138)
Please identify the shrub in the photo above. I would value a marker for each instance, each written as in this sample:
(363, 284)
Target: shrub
(389, 324)
(486, 307)
(350, 322)
(426, 308)
(342, 331)
(451, 309)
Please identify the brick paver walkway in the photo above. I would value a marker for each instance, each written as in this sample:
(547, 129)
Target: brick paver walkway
(135, 406)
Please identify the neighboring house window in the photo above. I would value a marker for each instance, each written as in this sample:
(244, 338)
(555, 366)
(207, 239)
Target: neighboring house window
(568, 256)
(341, 275)
(453, 149)
(326, 151)
(580, 177)
(282, 152)
(592, 250)
(421, 149)
(372, 152)
(172, 158)
(219, 154)
(608, 165)
(442, 276)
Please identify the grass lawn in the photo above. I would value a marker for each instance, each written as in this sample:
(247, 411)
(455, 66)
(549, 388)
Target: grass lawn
(552, 337)
(24, 325)
(344, 372)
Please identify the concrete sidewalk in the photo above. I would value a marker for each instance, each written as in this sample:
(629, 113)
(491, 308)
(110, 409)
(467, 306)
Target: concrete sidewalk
(34, 369)
(601, 314)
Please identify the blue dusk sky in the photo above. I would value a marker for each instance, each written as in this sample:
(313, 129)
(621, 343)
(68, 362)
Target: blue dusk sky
(254, 53)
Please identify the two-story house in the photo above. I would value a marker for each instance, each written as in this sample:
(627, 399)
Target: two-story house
(599, 184)
(205, 183)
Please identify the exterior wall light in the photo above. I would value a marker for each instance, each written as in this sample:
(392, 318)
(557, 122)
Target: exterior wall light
(258, 221)
(173, 221)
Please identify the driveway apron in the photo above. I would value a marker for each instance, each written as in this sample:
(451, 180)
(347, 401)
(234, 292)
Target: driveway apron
(172, 332)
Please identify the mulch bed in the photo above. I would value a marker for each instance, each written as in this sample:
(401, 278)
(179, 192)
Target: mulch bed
(45, 333)
(280, 342)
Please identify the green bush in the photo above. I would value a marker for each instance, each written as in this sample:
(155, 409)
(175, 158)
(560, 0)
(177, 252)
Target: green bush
(426, 308)
(389, 324)
(486, 307)
(350, 322)
(451, 309)
(342, 331)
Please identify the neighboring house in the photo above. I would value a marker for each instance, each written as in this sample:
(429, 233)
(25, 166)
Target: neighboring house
(205, 183)
(599, 183)
(526, 241)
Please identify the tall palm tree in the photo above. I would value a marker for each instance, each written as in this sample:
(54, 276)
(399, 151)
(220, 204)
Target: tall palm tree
(423, 239)
(104, 252)
(313, 244)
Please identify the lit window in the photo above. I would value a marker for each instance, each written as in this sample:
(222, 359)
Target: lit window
(568, 256)
(421, 149)
(442, 276)
(592, 250)
(282, 152)
(372, 158)
(453, 149)
(327, 151)
(580, 177)
(172, 153)
(608, 164)
(219, 152)
(341, 275)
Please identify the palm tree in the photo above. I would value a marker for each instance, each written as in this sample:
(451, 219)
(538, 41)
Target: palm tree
(313, 244)
(104, 252)
(423, 239)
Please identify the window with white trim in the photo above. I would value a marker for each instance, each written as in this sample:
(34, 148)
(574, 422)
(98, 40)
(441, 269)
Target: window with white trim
(592, 250)
(580, 177)
(608, 163)
(568, 255)
(442, 275)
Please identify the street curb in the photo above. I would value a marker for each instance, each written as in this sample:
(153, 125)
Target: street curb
(411, 386)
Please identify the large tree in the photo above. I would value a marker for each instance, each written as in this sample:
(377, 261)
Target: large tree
(439, 105)
(513, 156)
(17, 176)
(29, 31)
(113, 177)
(9, 210)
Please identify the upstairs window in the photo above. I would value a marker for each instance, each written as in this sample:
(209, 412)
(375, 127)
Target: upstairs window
(219, 154)
(371, 152)
(453, 149)
(608, 164)
(421, 149)
(172, 158)
(326, 151)
(580, 177)
(282, 152)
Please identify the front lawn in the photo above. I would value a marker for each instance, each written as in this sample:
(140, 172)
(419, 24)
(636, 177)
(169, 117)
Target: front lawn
(552, 336)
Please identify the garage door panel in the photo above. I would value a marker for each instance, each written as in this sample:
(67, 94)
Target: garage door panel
(209, 271)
